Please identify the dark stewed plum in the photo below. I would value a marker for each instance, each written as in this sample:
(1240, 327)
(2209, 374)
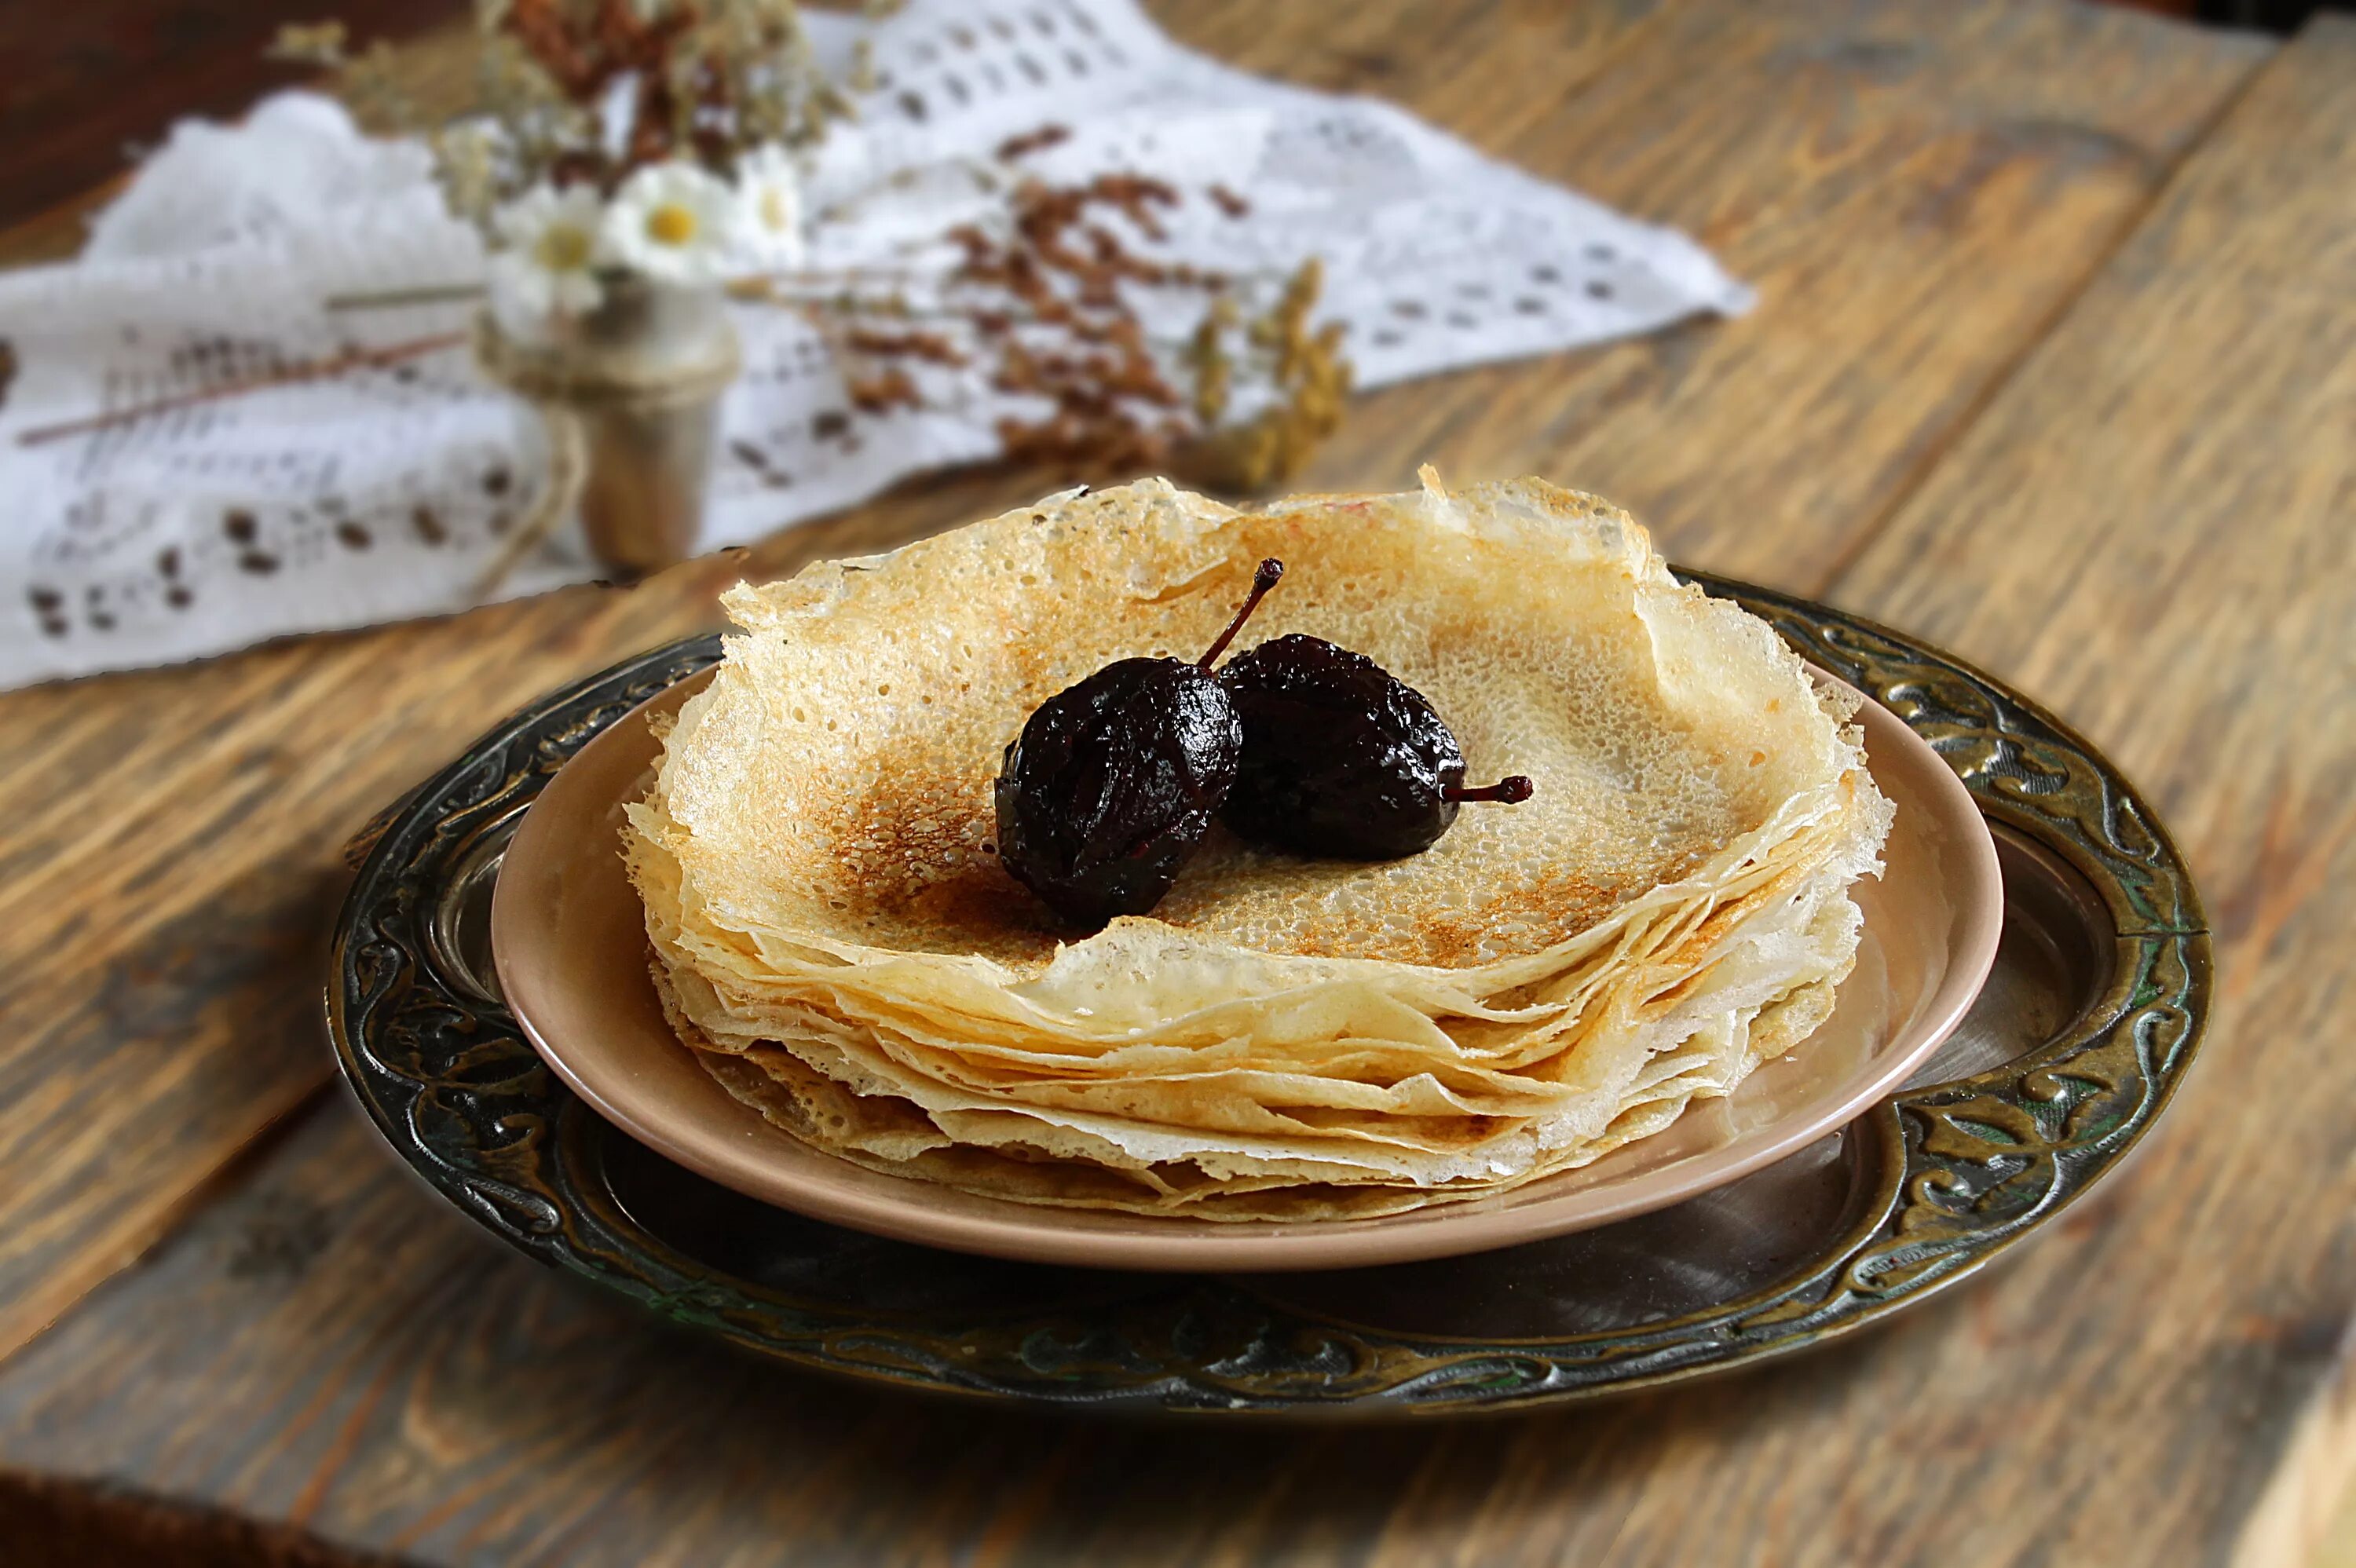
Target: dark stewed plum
(1340, 757)
(1114, 781)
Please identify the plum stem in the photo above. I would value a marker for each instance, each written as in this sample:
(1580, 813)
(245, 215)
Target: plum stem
(1262, 580)
(1512, 790)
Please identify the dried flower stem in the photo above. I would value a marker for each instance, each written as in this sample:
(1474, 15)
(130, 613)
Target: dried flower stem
(1039, 304)
(338, 364)
(396, 299)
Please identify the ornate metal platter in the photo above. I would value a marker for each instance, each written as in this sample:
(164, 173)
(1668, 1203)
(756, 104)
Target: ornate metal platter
(2089, 1019)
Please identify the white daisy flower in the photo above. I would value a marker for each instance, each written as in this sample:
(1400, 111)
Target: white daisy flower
(546, 265)
(769, 209)
(672, 223)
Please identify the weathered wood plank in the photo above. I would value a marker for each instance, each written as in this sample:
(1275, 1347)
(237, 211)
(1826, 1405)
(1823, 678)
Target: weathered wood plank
(172, 868)
(1916, 191)
(330, 1347)
(410, 1388)
(175, 844)
(2155, 529)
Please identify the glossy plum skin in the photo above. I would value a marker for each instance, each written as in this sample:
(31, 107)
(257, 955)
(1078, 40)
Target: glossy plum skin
(1112, 783)
(1340, 758)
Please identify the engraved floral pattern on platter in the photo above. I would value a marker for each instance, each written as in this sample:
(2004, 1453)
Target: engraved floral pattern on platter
(1964, 1168)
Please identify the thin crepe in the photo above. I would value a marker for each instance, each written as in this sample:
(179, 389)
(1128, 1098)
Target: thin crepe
(833, 936)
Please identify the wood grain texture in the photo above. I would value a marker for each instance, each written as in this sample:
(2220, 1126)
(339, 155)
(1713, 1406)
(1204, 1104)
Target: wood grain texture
(2170, 491)
(329, 1348)
(1920, 189)
(1916, 191)
(47, 1521)
(166, 886)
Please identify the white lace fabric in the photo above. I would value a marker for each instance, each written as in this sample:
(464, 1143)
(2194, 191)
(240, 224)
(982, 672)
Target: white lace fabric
(384, 492)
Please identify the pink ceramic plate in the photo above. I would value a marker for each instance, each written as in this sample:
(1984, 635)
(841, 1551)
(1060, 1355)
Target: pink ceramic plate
(567, 936)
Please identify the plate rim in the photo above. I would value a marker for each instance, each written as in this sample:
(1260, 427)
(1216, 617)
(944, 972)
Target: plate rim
(1002, 1227)
(462, 1099)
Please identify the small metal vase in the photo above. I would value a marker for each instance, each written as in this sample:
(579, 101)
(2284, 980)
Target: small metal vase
(630, 393)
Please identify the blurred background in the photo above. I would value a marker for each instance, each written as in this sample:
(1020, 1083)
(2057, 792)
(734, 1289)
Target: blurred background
(86, 87)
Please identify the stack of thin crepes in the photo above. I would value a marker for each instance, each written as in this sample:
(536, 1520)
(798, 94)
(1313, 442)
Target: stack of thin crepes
(1282, 1038)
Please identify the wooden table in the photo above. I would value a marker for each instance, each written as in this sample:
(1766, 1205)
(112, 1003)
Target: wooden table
(2055, 365)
